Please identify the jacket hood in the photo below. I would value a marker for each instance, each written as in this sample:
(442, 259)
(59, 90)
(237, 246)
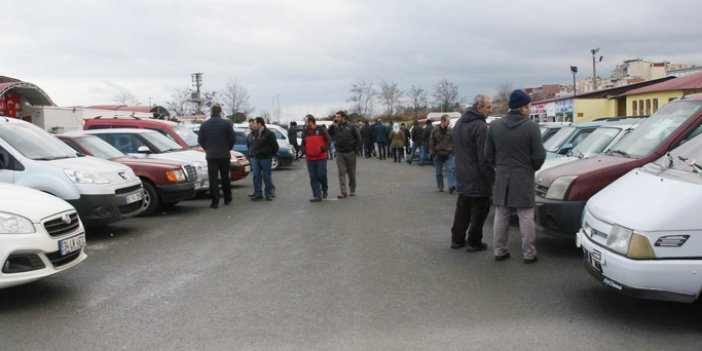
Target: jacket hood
(471, 115)
(513, 120)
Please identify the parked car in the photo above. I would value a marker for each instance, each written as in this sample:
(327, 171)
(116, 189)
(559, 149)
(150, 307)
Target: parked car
(568, 137)
(101, 191)
(548, 129)
(149, 144)
(642, 235)
(165, 182)
(286, 153)
(561, 191)
(180, 133)
(40, 235)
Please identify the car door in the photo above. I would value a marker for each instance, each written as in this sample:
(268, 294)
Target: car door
(10, 166)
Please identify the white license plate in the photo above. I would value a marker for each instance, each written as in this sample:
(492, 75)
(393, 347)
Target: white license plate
(134, 197)
(247, 169)
(72, 244)
(594, 259)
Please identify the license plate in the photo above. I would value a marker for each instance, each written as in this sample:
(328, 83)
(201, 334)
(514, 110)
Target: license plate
(593, 258)
(134, 197)
(72, 244)
(247, 169)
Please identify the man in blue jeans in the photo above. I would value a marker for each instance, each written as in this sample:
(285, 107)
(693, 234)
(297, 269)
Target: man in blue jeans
(441, 146)
(264, 147)
(315, 146)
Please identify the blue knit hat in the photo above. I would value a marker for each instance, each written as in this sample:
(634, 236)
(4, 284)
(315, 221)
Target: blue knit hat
(518, 98)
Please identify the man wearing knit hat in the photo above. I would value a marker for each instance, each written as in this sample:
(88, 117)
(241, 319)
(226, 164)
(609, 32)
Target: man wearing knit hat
(515, 149)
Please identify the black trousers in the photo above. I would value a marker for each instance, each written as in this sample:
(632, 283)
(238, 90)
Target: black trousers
(470, 216)
(219, 167)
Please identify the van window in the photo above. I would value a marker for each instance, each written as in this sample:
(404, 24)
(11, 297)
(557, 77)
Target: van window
(162, 132)
(657, 128)
(33, 142)
(697, 131)
(10, 162)
(187, 135)
(554, 143)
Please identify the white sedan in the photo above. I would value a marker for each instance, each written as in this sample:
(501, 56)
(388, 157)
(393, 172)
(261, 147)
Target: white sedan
(40, 235)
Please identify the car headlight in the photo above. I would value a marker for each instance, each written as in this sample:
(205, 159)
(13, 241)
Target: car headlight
(640, 247)
(559, 187)
(618, 239)
(13, 224)
(83, 177)
(175, 176)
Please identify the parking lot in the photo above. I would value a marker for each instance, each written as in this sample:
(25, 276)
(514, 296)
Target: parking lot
(373, 272)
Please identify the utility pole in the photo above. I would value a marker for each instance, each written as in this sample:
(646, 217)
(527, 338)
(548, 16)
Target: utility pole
(574, 69)
(196, 97)
(594, 72)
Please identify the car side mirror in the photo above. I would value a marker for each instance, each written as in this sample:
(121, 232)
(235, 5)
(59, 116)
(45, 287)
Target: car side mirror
(565, 149)
(143, 150)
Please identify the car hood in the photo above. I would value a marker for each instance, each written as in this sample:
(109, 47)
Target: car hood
(635, 201)
(148, 162)
(89, 164)
(30, 203)
(578, 167)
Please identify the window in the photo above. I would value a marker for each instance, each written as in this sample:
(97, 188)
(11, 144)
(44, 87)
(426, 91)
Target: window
(641, 108)
(655, 105)
(648, 106)
(162, 132)
(634, 110)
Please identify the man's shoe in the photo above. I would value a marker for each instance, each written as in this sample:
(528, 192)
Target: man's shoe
(441, 190)
(227, 202)
(503, 257)
(269, 198)
(531, 260)
(480, 247)
(252, 195)
(457, 245)
(352, 194)
(409, 161)
(452, 189)
(256, 198)
(214, 205)
(342, 196)
(316, 199)
(325, 194)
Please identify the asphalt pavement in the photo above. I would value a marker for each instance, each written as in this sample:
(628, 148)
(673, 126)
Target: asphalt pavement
(370, 272)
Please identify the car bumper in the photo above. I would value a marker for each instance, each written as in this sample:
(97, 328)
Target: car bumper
(99, 210)
(176, 192)
(558, 218)
(667, 280)
(239, 170)
(285, 160)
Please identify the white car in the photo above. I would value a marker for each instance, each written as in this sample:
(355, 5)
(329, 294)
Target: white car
(40, 235)
(642, 235)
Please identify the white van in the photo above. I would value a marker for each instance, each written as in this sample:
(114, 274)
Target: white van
(101, 191)
(642, 235)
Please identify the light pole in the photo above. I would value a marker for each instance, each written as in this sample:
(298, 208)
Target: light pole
(574, 69)
(594, 72)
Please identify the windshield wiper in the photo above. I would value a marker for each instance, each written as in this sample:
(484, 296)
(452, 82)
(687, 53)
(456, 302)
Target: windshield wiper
(620, 152)
(51, 158)
(690, 162)
(670, 159)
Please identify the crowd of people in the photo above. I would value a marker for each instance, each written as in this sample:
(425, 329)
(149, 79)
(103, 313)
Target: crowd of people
(486, 166)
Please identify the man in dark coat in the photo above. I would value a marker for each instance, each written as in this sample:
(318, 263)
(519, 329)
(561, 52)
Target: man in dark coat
(381, 138)
(217, 138)
(292, 137)
(473, 176)
(265, 146)
(515, 149)
(367, 136)
(417, 136)
(424, 155)
(347, 140)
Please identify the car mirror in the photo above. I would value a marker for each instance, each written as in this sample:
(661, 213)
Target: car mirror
(143, 150)
(565, 149)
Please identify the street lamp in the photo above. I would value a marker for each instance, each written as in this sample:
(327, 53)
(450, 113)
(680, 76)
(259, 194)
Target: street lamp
(574, 69)
(594, 72)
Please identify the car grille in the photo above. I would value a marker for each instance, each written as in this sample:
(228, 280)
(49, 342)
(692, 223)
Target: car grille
(190, 173)
(541, 190)
(57, 226)
(128, 190)
(57, 260)
(131, 208)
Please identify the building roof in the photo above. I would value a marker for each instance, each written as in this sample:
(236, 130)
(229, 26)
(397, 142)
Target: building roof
(32, 93)
(610, 92)
(691, 82)
(145, 109)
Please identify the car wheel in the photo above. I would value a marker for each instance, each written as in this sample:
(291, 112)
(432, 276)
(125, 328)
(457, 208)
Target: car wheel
(151, 202)
(275, 162)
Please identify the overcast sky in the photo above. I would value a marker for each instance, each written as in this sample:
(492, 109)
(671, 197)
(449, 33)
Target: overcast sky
(304, 54)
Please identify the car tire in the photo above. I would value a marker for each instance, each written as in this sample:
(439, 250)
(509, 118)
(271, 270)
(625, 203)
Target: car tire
(275, 162)
(151, 201)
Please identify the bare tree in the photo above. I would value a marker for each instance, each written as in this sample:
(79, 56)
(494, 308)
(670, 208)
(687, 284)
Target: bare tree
(499, 102)
(180, 103)
(362, 95)
(418, 98)
(390, 96)
(446, 95)
(236, 97)
(126, 98)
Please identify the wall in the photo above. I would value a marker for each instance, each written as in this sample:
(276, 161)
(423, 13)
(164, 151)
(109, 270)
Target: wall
(587, 110)
(663, 98)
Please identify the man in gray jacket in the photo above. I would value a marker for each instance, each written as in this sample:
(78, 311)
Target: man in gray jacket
(515, 149)
(473, 176)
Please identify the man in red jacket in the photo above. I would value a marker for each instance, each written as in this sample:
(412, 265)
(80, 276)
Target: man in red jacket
(315, 146)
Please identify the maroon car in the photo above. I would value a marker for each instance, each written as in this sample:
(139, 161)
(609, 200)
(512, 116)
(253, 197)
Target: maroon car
(165, 182)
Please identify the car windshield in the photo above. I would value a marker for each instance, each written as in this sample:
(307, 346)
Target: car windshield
(656, 129)
(98, 147)
(34, 143)
(187, 134)
(554, 143)
(596, 142)
(687, 157)
(161, 143)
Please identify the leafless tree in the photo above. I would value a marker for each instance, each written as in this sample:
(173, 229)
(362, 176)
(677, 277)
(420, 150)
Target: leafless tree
(446, 95)
(180, 103)
(499, 102)
(418, 98)
(126, 98)
(362, 95)
(390, 96)
(236, 97)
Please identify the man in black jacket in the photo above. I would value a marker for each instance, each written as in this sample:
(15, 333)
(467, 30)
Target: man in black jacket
(347, 141)
(217, 138)
(473, 176)
(265, 146)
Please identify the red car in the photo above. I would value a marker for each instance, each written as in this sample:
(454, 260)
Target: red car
(165, 182)
(179, 133)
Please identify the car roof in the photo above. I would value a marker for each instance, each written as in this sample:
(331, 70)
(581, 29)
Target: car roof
(128, 120)
(119, 130)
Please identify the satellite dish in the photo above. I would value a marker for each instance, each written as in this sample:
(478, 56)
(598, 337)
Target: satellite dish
(601, 57)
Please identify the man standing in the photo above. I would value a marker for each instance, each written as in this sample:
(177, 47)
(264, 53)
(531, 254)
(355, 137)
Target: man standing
(347, 141)
(315, 145)
(424, 155)
(473, 176)
(265, 146)
(217, 138)
(292, 136)
(381, 138)
(441, 146)
(515, 149)
(417, 136)
(367, 136)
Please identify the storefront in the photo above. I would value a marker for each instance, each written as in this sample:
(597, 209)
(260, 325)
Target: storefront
(15, 95)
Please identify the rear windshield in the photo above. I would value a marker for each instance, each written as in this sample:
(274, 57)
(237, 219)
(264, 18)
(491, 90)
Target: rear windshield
(596, 141)
(656, 129)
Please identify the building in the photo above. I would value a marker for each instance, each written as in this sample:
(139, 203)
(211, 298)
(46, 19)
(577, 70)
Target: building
(647, 100)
